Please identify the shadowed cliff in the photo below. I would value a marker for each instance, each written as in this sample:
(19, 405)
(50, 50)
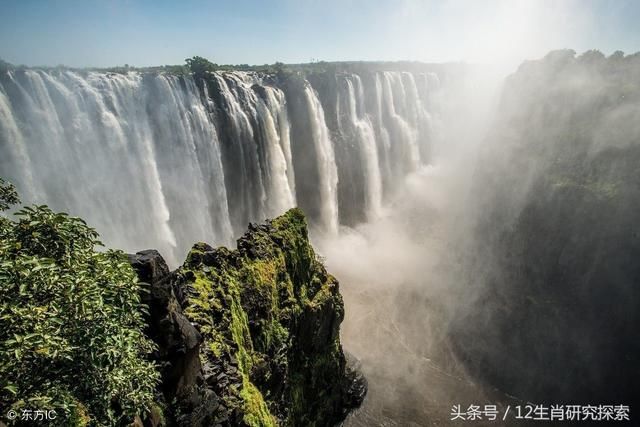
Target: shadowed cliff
(552, 312)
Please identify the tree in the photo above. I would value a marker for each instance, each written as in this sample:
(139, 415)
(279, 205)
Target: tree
(199, 65)
(71, 322)
(8, 195)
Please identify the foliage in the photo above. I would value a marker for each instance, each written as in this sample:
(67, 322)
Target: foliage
(70, 322)
(200, 66)
(8, 195)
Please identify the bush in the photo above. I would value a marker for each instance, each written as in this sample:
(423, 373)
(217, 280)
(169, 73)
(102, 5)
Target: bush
(8, 195)
(71, 322)
(199, 66)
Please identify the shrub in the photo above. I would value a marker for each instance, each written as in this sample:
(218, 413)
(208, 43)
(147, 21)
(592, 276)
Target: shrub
(71, 322)
(199, 66)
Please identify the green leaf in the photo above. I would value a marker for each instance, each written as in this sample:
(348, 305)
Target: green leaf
(11, 388)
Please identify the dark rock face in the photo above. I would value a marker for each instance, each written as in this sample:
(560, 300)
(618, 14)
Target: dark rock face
(559, 310)
(355, 384)
(251, 336)
(178, 344)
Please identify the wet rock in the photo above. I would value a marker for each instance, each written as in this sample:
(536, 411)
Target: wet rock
(178, 343)
(355, 384)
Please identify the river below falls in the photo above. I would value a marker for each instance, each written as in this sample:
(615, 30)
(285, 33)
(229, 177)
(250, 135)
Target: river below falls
(412, 381)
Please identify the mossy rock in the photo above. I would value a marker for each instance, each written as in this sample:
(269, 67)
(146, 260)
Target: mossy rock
(270, 314)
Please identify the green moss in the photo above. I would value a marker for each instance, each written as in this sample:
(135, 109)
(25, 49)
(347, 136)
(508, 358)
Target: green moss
(200, 304)
(79, 416)
(298, 401)
(256, 412)
(241, 336)
(264, 272)
(326, 293)
(216, 349)
(600, 189)
(158, 414)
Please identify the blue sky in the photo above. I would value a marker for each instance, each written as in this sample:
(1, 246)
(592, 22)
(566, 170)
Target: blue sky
(146, 32)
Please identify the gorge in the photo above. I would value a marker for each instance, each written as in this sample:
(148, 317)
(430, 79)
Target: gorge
(482, 229)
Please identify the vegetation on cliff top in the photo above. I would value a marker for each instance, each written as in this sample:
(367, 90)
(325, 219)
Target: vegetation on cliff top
(71, 322)
(198, 65)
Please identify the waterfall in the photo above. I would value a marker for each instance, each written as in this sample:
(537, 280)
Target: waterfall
(247, 193)
(326, 162)
(15, 159)
(418, 116)
(126, 152)
(394, 97)
(384, 144)
(155, 160)
(276, 104)
(367, 140)
(259, 128)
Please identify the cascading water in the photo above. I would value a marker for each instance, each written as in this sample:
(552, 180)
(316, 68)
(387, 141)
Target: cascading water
(278, 120)
(162, 161)
(326, 163)
(267, 111)
(247, 192)
(383, 137)
(365, 135)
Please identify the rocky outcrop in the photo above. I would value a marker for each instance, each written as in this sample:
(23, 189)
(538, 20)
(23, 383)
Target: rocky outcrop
(187, 401)
(250, 336)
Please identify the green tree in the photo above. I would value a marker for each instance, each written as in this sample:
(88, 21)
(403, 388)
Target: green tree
(71, 322)
(8, 195)
(199, 65)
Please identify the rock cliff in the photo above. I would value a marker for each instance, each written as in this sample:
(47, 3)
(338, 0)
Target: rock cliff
(558, 188)
(250, 336)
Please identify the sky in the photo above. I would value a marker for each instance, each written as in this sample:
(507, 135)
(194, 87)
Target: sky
(88, 33)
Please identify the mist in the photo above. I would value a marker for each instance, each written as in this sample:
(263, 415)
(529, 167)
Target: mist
(435, 286)
(404, 273)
